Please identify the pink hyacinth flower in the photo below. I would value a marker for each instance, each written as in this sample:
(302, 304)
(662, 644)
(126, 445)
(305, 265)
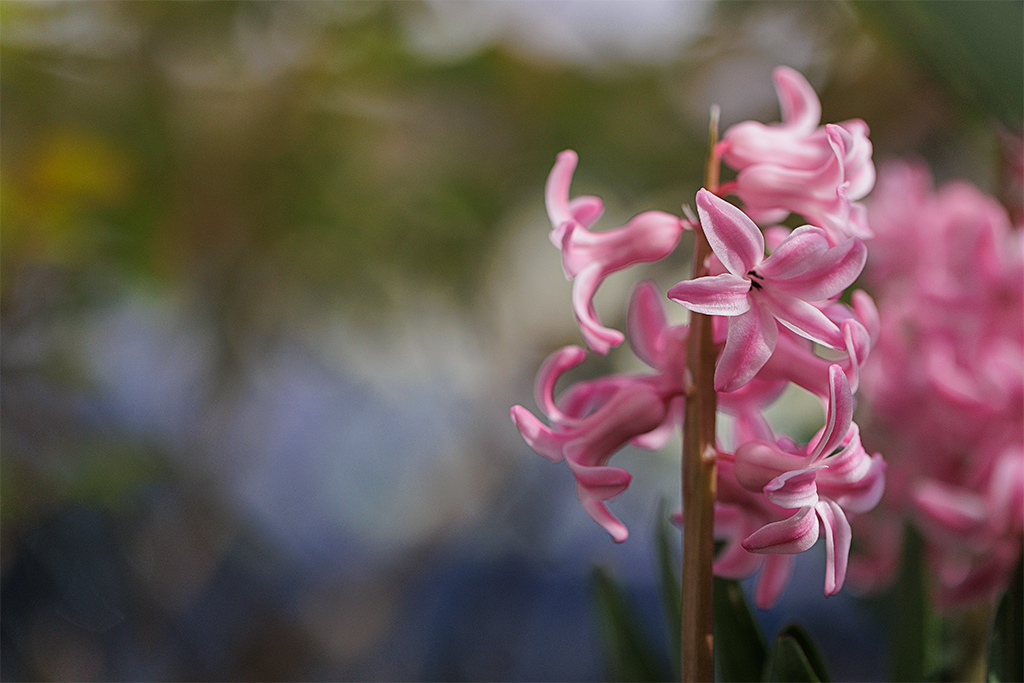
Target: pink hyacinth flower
(798, 166)
(589, 257)
(759, 292)
(593, 420)
(820, 486)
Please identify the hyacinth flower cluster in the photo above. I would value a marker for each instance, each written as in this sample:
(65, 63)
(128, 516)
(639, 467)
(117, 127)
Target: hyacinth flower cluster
(773, 297)
(945, 384)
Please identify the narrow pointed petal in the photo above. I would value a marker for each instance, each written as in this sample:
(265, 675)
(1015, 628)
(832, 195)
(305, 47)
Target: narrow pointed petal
(798, 252)
(724, 294)
(646, 324)
(804, 319)
(774, 576)
(837, 544)
(827, 274)
(786, 537)
(543, 389)
(734, 238)
(801, 108)
(751, 340)
(598, 337)
(794, 489)
(537, 435)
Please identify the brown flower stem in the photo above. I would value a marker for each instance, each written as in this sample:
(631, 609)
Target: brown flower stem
(698, 653)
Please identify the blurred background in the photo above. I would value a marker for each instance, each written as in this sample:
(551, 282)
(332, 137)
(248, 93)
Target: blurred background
(272, 274)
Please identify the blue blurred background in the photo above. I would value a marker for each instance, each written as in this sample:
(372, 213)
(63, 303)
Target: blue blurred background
(274, 272)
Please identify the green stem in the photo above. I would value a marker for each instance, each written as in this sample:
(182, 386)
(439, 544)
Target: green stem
(698, 660)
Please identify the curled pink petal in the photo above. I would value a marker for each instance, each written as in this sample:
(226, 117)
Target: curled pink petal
(598, 337)
(735, 239)
(837, 544)
(600, 482)
(590, 257)
(867, 313)
(840, 414)
(562, 212)
(788, 536)
(600, 513)
(554, 365)
(794, 489)
(801, 109)
(858, 344)
(636, 408)
(852, 463)
(860, 495)
(538, 436)
(649, 236)
(585, 210)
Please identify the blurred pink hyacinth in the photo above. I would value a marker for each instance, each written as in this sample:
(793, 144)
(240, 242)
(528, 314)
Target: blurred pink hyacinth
(945, 386)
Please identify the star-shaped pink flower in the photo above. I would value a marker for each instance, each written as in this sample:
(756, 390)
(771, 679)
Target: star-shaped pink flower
(758, 292)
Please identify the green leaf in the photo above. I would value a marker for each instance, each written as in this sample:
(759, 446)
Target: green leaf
(1006, 650)
(671, 592)
(630, 656)
(739, 646)
(916, 649)
(973, 48)
(810, 649)
(788, 663)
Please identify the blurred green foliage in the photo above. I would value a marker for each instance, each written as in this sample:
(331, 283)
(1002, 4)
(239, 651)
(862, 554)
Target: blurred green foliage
(349, 162)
